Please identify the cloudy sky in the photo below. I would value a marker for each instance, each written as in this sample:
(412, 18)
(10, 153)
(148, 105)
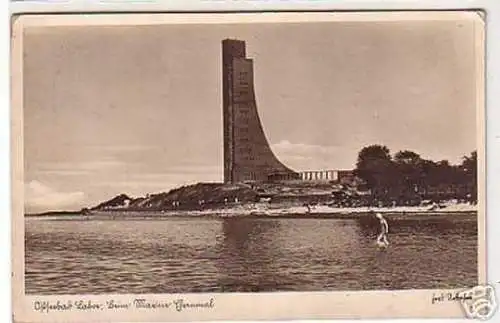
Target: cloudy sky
(138, 109)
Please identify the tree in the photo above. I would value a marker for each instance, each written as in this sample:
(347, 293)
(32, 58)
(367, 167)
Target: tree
(407, 157)
(374, 166)
(409, 167)
(469, 171)
(407, 177)
(429, 171)
(443, 172)
(469, 164)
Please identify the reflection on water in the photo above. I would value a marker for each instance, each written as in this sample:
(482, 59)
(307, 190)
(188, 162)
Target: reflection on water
(247, 255)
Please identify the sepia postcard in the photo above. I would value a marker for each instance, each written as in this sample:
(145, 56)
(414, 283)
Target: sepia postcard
(258, 166)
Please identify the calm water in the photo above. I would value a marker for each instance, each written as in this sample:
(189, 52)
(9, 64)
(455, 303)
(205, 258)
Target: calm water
(229, 255)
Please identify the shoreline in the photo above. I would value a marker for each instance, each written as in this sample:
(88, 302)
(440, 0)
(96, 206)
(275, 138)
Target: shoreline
(265, 211)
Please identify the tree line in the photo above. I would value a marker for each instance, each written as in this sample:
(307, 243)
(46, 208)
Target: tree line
(407, 178)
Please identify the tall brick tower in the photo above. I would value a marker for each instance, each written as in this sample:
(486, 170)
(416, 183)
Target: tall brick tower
(247, 154)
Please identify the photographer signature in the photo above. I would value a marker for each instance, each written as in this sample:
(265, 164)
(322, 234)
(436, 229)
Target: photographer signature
(451, 297)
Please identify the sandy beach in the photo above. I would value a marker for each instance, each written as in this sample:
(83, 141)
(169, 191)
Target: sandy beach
(280, 211)
(324, 210)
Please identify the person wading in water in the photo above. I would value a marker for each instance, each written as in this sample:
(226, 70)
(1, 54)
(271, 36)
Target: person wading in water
(384, 230)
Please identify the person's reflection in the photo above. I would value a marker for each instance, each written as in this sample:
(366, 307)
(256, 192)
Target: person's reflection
(247, 251)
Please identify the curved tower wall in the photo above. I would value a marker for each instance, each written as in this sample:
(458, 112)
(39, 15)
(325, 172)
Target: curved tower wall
(247, 154)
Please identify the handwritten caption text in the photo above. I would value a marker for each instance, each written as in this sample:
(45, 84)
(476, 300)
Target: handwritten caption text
(178, 305)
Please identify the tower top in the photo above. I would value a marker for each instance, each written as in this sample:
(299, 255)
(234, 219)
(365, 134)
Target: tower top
(230, 40)
(234, 48)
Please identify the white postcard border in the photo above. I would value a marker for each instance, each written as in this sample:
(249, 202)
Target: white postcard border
(276, 306)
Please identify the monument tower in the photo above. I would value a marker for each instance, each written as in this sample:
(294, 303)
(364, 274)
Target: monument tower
(247, 154)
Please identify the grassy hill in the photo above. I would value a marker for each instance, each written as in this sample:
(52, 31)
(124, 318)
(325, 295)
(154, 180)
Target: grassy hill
(219, 195)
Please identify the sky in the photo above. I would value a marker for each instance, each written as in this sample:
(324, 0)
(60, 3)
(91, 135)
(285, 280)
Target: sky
(138, 109)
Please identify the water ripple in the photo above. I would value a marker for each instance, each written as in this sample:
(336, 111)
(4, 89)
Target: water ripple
(246, 255)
